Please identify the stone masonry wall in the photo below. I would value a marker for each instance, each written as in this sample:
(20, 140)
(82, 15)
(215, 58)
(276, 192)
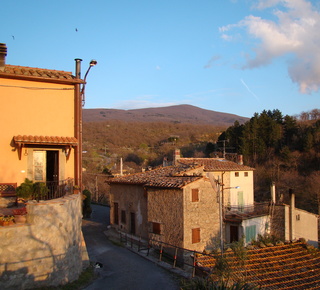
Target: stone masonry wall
(131, 199)
(165, 206)
(48, 250)
(203, 214)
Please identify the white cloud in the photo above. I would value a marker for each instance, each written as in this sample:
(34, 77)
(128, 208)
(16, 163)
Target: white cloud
(295, 32)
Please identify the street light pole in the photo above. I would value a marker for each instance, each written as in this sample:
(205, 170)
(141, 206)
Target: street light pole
(220, 215)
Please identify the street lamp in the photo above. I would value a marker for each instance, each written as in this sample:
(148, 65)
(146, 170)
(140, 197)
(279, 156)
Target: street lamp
(91, 64)
(216, 185)
(79, 97)
(220, 200)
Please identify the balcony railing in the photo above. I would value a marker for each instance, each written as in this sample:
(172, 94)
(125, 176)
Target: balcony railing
(57, 189)
(238, 213)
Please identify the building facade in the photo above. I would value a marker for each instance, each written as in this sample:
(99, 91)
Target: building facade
(40, 133)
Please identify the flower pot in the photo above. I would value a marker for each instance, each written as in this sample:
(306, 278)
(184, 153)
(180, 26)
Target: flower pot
(20, 219)
(6, 223)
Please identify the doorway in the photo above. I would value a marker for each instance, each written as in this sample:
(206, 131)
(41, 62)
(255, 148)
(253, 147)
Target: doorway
(132, 223)
(46, 166)
(234, 234)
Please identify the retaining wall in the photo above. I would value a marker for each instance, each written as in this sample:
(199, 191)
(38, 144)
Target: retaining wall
(48, 250)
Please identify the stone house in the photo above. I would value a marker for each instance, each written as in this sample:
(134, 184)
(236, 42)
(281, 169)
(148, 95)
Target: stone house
(40, 117)
(180, 204)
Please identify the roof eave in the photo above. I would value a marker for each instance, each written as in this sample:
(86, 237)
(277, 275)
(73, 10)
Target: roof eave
(42, 79)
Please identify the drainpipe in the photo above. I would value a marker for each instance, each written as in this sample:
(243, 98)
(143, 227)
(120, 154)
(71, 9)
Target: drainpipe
(78, 127)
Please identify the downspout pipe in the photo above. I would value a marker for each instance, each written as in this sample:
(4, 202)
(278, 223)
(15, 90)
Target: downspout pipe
(78, 127)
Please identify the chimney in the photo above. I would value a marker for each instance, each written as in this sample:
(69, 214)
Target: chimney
(292, 213)
(240, 159)
(176, 156)
(3, 54)
(78, 68)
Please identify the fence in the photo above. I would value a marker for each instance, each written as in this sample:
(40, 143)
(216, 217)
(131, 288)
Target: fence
(178, 257)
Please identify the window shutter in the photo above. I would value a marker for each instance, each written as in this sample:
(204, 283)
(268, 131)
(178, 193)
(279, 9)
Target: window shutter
(195, 194)
(195, 235)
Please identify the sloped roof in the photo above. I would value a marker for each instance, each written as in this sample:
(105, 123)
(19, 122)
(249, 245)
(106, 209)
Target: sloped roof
(40, 74)
(166, 177)
(214, 164)
(45, 140)
(285, 266)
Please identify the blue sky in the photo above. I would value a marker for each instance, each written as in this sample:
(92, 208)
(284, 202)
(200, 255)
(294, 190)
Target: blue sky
(233, 56)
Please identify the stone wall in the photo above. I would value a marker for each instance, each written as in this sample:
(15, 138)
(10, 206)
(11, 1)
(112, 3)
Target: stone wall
(203, 214)
(165, 206)
(132, 200)
(48, 250)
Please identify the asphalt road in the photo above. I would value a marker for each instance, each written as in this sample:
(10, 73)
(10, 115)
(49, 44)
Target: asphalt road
(122, 269)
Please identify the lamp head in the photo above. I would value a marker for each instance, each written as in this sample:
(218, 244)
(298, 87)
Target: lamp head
(93, 62)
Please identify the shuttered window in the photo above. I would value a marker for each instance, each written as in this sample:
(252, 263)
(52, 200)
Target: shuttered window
(156, 228)
(195, 235)
(250, 233)
(195, 194)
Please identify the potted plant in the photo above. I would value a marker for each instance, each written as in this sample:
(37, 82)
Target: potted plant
(20, 215)
(6, 220)
(30, 190)
(76, 189)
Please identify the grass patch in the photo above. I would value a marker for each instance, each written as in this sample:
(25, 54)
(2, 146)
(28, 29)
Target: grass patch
(85, 278)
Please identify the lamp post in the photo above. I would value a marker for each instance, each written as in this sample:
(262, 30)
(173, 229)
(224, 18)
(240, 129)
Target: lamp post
(220, 196)
(79, 103)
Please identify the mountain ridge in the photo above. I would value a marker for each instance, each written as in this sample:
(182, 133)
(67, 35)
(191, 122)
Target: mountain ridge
(172, 114)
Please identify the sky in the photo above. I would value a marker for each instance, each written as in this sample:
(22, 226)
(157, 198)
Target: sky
(233, 56)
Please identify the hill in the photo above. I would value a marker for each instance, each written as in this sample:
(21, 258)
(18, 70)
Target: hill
(172, 114)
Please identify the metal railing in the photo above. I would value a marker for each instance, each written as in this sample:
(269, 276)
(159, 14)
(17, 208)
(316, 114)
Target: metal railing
(254, 210)
(57, 189)
(178, 257)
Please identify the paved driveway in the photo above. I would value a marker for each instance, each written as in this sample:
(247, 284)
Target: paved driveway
(122, 269)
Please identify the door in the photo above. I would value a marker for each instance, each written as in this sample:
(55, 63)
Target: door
(132, 223)
(116, 213)
(39, 166)
(52, 166)
(46, 166)
(240, 201)
(234, 234)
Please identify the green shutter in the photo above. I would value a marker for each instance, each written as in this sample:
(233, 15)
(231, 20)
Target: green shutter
(250, 233)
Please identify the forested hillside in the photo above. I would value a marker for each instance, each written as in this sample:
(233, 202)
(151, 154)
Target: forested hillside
(141, 144)
(284, 150)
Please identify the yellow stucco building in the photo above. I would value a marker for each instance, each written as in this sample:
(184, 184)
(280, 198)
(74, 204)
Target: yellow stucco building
(40, 124)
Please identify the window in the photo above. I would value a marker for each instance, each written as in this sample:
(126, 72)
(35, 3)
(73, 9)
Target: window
(123, 217)
(236, 174)
(156, 228)
(195, 235)
(246, 174)
(195, 194)
(250, 233)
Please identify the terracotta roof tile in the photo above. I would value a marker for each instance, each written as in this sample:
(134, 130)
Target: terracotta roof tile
(166, 177)
(45, 140)
(215, 164)
(13, 70)
(285, 266)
